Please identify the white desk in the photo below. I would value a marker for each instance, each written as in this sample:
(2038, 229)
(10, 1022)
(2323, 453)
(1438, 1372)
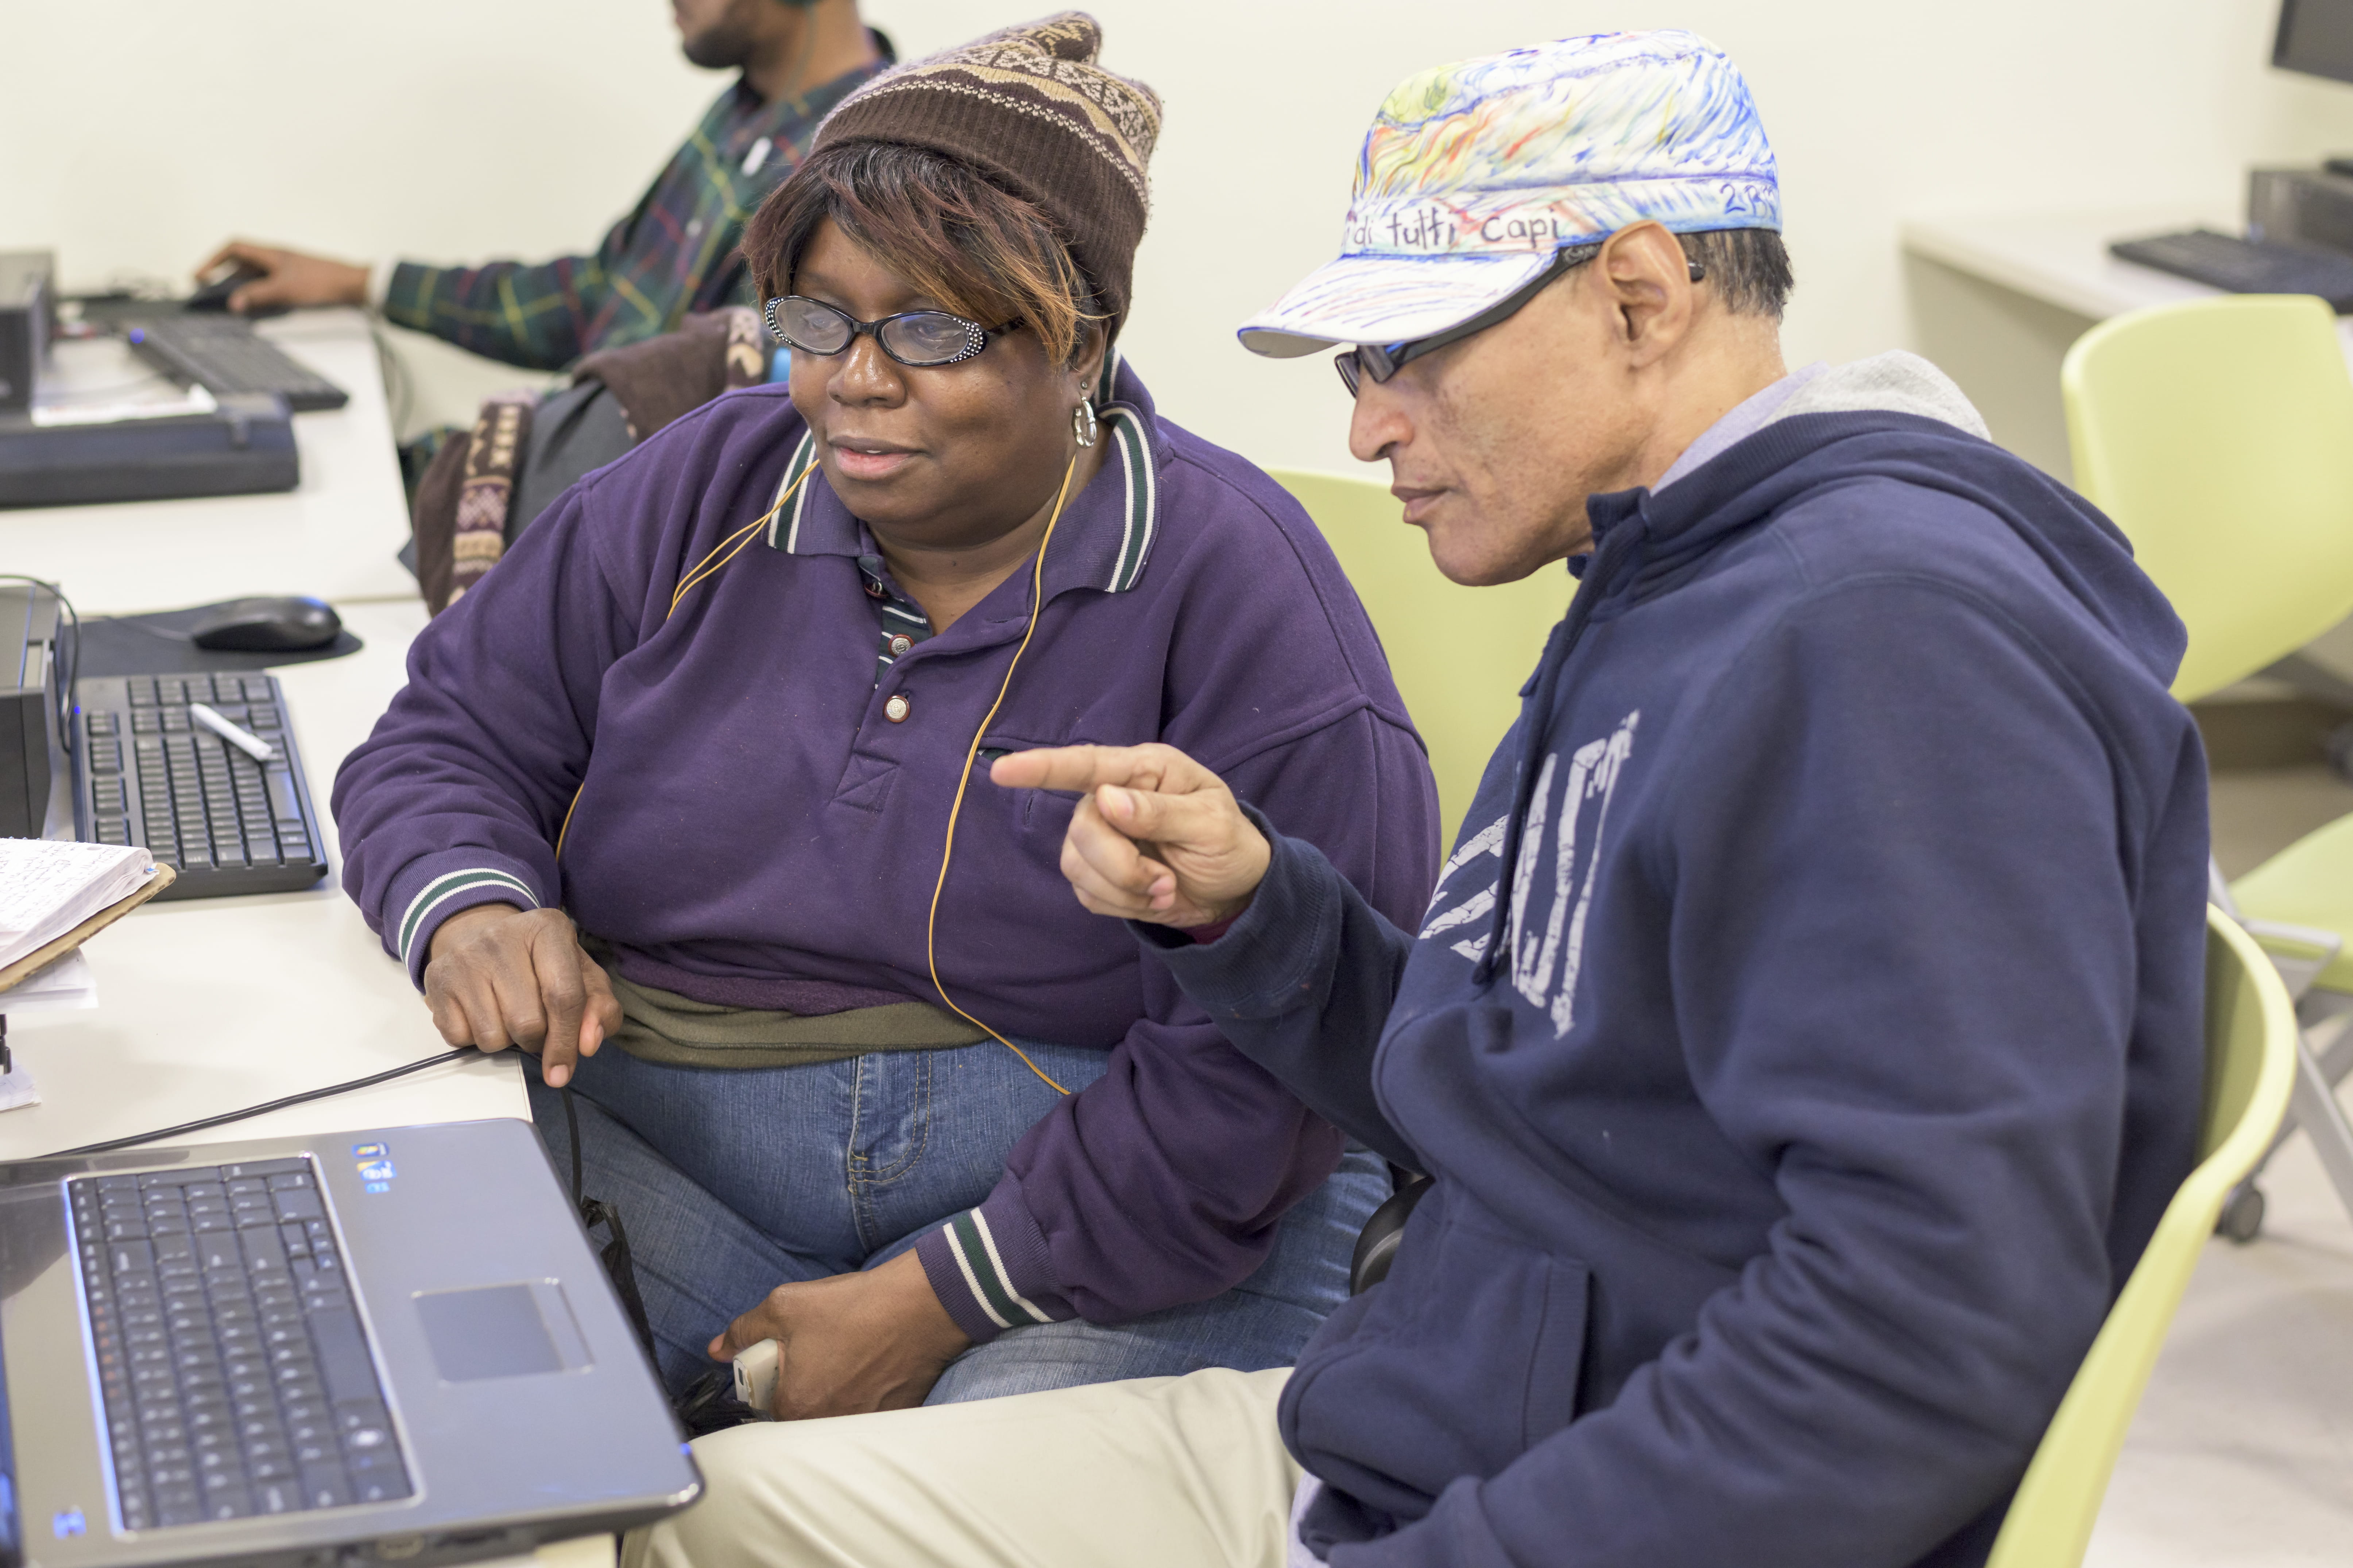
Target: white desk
(333, 536)
(214, 1003)
(1998, 299)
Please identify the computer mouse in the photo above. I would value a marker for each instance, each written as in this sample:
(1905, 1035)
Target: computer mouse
(287, 625)
(214, 296)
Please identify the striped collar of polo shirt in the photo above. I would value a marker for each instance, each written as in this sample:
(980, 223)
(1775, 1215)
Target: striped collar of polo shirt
(1104, 541)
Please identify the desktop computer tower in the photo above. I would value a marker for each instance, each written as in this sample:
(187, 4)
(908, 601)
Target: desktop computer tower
(2301, 206)
(27, 320)
(28, 707)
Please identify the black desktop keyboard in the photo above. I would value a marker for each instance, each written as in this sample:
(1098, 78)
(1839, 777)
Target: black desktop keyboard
(148, 773)
(233, 1368)
(225, 354)
(2246, 266)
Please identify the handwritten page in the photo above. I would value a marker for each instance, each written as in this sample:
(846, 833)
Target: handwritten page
(49, 886)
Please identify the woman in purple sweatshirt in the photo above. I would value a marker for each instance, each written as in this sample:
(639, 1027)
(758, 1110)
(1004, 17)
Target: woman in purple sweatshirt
(698, 774)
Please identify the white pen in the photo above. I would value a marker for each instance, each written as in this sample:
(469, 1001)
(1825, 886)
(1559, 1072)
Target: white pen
(252, 745)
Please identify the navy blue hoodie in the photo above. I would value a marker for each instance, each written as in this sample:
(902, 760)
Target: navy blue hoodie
(1800, 1105)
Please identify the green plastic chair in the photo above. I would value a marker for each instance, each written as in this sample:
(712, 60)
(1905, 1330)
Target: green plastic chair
(2219, 435)
(2251, 1062)
(1459, 655)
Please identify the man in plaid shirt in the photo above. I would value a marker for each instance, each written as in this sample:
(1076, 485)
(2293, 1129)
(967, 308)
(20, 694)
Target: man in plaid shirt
(674, 254)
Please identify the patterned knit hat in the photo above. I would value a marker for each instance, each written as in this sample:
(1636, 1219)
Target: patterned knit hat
(1029, 109)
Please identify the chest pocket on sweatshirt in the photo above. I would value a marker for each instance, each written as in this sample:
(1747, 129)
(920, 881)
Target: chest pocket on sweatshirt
(1035, 813)
(866, 783)
(1481, 1338)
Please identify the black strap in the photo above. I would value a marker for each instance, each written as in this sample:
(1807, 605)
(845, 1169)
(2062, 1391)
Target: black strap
(615, 1255)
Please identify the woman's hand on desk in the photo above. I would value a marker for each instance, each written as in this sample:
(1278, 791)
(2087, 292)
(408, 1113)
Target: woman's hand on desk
(1157, 836)
(854, 1343)
(500, 977)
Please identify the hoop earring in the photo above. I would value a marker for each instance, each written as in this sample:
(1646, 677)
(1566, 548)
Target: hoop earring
(1083, 424)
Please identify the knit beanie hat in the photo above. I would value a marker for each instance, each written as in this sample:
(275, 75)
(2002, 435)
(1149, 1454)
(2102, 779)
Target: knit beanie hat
(1028, 108)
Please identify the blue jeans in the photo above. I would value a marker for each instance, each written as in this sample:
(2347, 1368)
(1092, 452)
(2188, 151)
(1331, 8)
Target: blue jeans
(732, 1182)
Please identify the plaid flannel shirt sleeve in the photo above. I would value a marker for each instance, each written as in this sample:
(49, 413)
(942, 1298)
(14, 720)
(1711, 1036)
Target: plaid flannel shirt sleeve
(532, 314)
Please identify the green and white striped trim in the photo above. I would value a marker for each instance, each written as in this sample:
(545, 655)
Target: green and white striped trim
(897, 620)
(441, 890)
(1140, 517)
(984, 1273)
(784, 528)
(1139, 511)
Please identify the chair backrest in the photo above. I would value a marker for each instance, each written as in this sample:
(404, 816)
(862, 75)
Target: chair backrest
(2251, 1041)
(1459, 655)
(2219, 435)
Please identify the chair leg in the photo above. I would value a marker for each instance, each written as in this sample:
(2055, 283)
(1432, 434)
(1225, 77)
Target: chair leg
(2338, 1059)
(2335, 1060)
(2313, 1106)
(2318, 1113)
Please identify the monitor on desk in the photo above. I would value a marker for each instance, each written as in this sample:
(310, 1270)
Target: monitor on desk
(2315, 37)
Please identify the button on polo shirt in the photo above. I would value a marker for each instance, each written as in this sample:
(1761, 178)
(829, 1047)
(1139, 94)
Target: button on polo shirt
(901, 622)
(1105, 551)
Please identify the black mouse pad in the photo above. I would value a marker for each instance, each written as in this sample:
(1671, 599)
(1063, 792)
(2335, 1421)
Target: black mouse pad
(158, 645)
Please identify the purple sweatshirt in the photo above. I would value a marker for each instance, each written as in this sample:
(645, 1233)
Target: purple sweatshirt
(752, 828)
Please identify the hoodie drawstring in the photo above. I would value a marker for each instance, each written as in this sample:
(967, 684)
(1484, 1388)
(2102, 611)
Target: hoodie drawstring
(1609, 558)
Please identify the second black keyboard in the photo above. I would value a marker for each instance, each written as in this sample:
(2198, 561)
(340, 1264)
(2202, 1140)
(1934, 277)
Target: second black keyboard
(2246, 266)
(149, 773)
(224, 353)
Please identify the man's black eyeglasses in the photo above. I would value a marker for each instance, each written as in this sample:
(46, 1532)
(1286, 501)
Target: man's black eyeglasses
(918, 338)
(1378, 362)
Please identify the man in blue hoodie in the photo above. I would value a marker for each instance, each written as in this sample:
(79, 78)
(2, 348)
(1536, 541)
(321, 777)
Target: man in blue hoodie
(1805, 1035)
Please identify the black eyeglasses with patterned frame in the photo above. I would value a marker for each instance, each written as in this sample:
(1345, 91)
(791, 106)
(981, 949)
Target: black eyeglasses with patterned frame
(1378, 362)
(921, 338)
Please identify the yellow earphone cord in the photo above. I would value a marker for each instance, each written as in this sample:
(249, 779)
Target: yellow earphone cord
(707, 568)
(931, 922)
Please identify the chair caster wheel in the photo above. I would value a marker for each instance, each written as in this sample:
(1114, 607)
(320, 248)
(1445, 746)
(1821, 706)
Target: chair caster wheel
(2242, 1214)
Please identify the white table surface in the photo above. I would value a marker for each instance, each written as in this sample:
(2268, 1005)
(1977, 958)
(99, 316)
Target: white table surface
(2062, 258)
(214, 1004)
(333, 536)
(211, 1004)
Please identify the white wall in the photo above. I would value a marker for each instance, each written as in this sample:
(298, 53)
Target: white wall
(134, 134)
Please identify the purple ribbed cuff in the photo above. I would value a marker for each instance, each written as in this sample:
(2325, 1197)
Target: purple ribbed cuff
(438, 886)
(988, 1267)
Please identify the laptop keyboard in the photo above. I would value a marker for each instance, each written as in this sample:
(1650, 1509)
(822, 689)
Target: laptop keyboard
(234, 1373)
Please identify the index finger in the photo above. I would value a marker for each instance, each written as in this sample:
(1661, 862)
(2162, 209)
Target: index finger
(1081, 768)
(555, 961)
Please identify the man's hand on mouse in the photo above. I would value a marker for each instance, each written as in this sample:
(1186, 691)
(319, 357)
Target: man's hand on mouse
(877, 1339)
(292, 278)
(500, 977)
(1157, 837)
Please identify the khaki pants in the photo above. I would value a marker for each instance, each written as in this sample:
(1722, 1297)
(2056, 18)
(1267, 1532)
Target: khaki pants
(1182, 1471)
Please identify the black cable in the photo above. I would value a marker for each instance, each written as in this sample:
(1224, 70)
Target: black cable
(304, 1098)
(72, 670)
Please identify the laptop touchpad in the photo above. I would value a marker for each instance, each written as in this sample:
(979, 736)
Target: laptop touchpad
(497, 1331)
